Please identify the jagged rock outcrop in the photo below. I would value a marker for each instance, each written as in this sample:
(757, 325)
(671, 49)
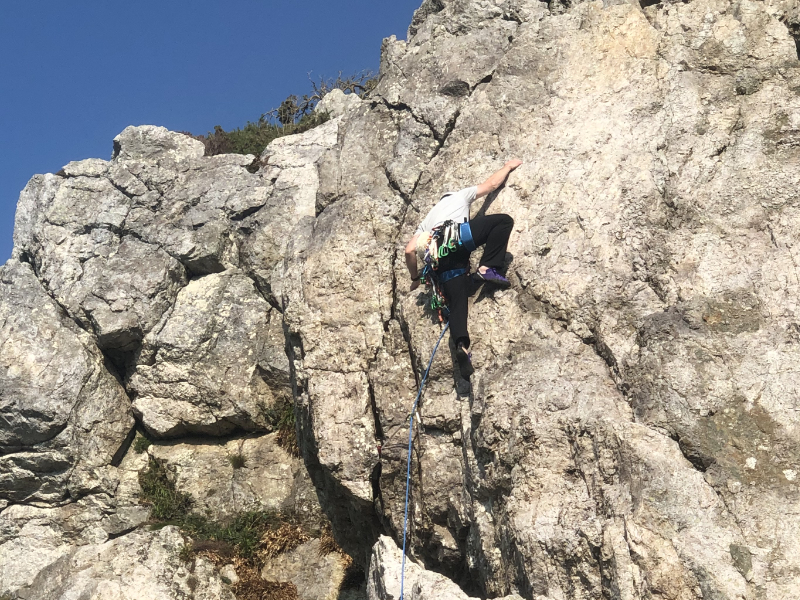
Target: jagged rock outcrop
(630, 431)
(65, 418)
(265, 477)
(140, 565)
(419, 584)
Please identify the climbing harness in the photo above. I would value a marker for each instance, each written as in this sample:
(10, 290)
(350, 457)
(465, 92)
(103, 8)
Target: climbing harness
(445, 239)
(408, 457)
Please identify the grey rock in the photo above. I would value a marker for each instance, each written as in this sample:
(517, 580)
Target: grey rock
(265, 478)
(65, 416)
(114, 242)
(383, 582)
(33, 539)
(155, 143)
(318, 576)
(143, 564)
(210, 366)
(336, 103)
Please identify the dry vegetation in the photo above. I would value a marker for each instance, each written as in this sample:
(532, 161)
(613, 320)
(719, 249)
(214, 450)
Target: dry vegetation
(247, 541)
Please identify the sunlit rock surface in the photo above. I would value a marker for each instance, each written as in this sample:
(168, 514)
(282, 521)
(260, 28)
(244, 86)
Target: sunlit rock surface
(631, 430)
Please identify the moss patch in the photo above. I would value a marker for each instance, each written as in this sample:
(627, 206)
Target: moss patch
(141, 444)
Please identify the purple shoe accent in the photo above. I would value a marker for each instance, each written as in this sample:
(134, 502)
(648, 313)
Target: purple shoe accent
(464, 358)
(492, 276)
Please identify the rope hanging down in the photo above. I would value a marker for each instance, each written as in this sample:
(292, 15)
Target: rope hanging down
(408, 457)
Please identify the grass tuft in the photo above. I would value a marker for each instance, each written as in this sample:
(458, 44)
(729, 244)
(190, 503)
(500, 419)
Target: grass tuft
(327, 543)
(158, 491)
(280, 417)
(237, 461)
(140, 445)
(251, 587)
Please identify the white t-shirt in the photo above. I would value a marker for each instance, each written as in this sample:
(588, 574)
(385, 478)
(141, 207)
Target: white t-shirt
(454, 206)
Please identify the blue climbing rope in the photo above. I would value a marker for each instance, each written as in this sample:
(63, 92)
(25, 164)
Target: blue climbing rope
(408, 458)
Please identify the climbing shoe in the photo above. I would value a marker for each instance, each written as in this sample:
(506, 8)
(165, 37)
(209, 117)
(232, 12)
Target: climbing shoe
(464, 358)
(492, 276)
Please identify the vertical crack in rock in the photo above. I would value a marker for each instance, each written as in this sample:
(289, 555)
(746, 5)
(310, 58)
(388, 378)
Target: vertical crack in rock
(792, 24)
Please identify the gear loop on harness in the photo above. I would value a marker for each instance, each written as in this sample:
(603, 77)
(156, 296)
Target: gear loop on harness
(445, 239)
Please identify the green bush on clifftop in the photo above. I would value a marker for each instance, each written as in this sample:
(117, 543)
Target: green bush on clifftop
(294, 115)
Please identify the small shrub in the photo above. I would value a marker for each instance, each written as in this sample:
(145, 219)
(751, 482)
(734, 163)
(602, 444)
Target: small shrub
(186, 553)
(140, 445)
(255, 136)
(158, 492)
(295, 114)
(237, 461)
(280, 417)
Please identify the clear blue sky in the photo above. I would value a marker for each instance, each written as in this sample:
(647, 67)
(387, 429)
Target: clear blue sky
(75, 74)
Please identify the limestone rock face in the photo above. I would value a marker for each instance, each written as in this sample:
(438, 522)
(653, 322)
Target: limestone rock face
(64, 416)
(242, 475)
(215, 363)
(631, 429)
(317, 575)
(140, 565)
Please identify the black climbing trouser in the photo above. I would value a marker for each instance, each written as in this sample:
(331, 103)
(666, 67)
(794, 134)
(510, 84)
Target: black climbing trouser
(492, 231)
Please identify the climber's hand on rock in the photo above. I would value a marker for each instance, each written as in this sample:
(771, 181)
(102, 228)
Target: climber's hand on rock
(414, 285)
(513, 164)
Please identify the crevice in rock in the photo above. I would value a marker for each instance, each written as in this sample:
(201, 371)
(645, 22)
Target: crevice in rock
(119, 534)
(691, 453)
(594, 341)
(448, 129)
(264, 290)
(401, 106)
(27, 258)
(379, 436)
(513, 17)
(240, 216)
(116, 460)
(396, 187)
(793, 26)
(604, 352)
(487, 79)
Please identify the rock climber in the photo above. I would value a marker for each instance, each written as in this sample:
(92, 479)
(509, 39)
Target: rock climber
(492, 231)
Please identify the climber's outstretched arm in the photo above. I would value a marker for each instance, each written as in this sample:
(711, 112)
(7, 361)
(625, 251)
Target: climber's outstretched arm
(497, 179)
(411, 261)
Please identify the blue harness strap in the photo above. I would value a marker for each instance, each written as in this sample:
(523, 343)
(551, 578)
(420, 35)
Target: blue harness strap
(466, 237)
(451, 274)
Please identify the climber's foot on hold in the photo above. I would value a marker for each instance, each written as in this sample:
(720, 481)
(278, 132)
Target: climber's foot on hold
(490, 275)
(464, 358)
